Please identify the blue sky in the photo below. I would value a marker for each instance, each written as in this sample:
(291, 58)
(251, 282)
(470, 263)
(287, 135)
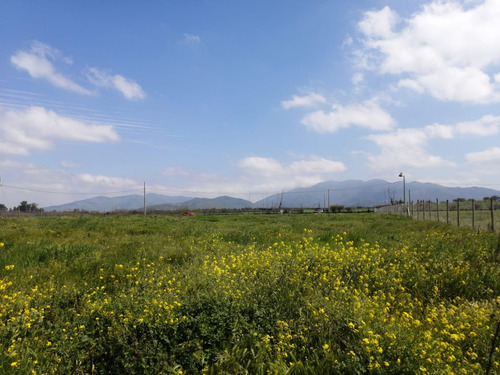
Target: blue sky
(244, 98)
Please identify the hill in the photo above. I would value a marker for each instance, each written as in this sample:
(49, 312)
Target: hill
(357, 193)
(207, 203)
(350, 193)
(127, 202)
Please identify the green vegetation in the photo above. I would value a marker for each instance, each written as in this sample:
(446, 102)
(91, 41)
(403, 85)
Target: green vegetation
(467, 213)
(247, 294)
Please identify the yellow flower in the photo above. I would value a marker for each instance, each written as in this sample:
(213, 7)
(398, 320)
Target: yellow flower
(2, 244)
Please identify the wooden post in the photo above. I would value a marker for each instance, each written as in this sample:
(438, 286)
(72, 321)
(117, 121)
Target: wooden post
(410, 205)
(458, 212)
(473, 212)
(437, 208)
(423, 210)
(447, 212)
(492, 215)
(430, 215)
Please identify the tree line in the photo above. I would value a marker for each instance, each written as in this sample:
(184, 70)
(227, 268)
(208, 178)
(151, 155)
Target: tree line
(23, 206)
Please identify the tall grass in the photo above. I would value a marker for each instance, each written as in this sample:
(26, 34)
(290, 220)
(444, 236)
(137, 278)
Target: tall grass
(245, 294)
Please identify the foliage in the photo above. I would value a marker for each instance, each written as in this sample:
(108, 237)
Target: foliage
(24, 206)
(247, 294)
(336, 208)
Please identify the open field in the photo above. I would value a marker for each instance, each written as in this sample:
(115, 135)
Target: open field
(247, 294)
(480, 215)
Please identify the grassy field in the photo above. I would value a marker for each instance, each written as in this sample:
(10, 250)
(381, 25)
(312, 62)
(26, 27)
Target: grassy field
(472, 214)
(247, 294)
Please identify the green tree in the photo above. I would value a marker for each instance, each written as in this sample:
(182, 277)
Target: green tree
(24, 206)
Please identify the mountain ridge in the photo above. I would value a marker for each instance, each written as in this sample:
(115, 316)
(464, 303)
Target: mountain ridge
(348, 193)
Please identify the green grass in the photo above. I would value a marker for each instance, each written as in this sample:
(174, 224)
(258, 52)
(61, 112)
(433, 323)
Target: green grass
(247, 294)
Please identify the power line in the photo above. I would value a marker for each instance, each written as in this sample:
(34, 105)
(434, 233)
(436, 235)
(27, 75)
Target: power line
(68, 193)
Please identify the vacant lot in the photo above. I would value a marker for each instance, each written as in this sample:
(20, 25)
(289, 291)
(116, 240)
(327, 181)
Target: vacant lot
(256, 294)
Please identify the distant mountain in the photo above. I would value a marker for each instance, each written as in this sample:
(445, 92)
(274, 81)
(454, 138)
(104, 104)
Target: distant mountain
(127, 202)
(429, 191)
(356, 193)
(350, 193)
(206, 203)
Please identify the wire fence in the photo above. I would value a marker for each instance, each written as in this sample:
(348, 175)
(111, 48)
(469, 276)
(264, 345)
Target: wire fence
(480, 215)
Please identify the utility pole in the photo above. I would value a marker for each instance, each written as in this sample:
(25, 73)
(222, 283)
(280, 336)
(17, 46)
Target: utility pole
(404, 187)
(144, 198)
(328, 200)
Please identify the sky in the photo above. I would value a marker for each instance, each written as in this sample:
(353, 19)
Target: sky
(244, 98)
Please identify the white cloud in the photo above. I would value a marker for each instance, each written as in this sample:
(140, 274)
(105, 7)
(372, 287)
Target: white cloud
(440, 131)
(402, 149)
(38, 62)
(447, 48)
(411, 84)
(317, 165)
(190, 39)
(458, 84)
(108, 181)
(366, 115)
(32, 181)
(408, 148)
(258, 176)
(272, 169)
(303, 101)
(357, 78)
(491, 155)
(485, 126)
(380, 23)
(129, 88)
(37, 127)
(261, 166)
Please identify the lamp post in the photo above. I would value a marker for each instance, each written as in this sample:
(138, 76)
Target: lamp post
(404, 187)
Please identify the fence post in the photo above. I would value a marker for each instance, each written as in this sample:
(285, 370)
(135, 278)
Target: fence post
(409, 207)
(437, 208)
(473, 211)
(458, 212)
(423, 210)
(430, 212)
(447, 212)
(492, 215)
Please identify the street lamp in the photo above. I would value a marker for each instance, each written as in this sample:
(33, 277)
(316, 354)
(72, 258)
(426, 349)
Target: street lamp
(404, 187)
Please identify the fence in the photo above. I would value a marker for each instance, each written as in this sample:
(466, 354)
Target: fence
(481, 215)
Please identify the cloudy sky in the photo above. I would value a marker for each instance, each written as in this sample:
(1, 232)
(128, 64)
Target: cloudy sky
(245, 98)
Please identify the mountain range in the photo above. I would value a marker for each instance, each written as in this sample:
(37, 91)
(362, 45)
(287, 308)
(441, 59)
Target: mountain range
(350, 193)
